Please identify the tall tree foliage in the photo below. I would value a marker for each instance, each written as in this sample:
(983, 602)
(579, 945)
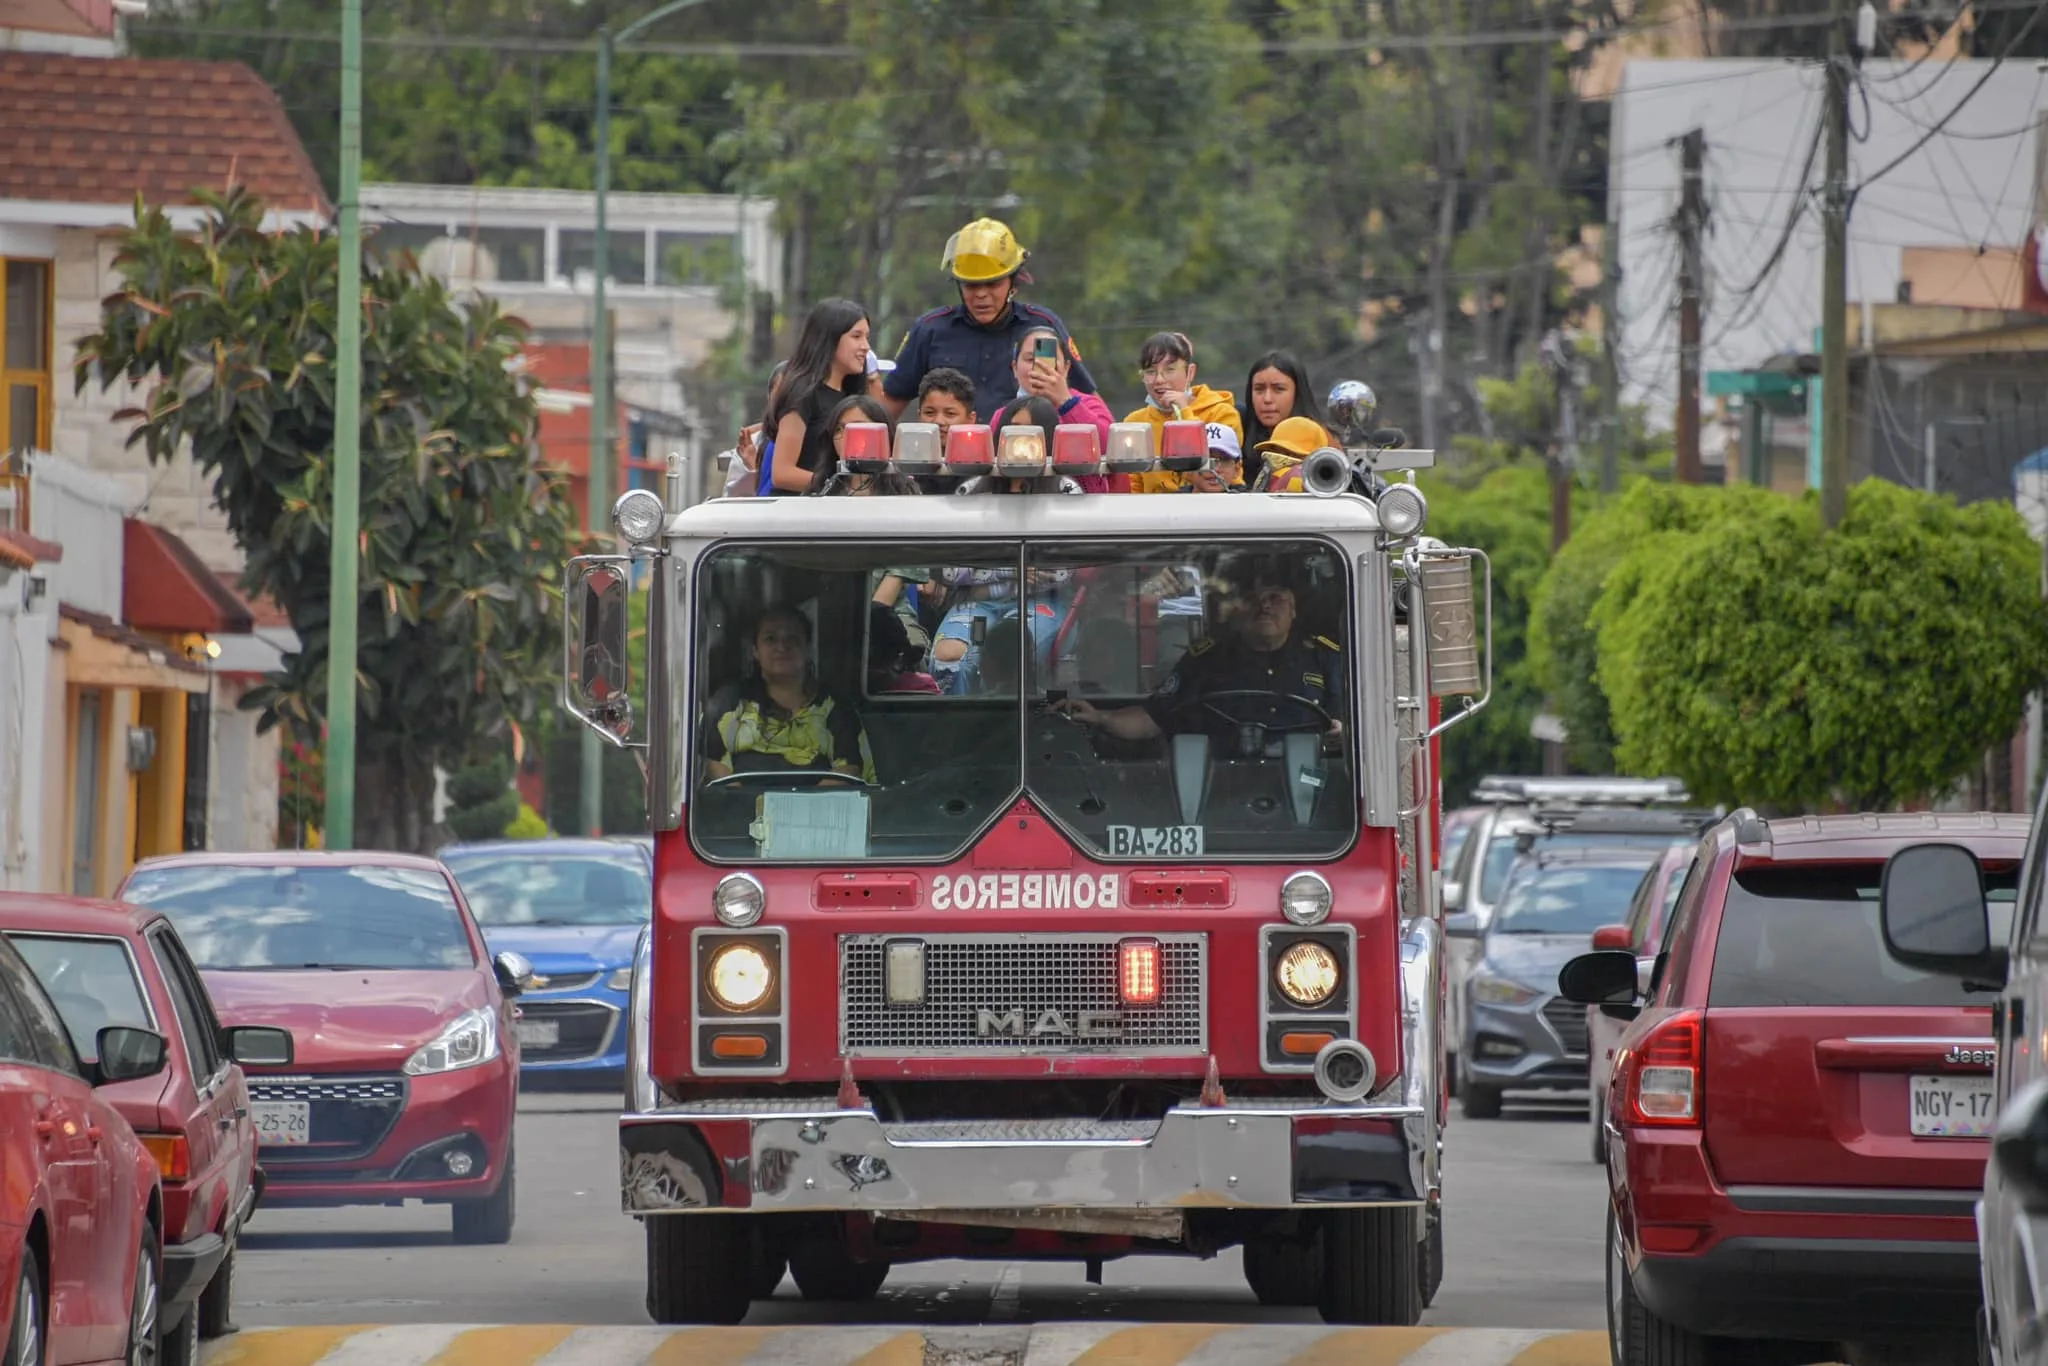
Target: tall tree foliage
(232, 331)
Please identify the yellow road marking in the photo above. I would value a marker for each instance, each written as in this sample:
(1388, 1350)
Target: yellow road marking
(1160, 1344)
(1366, 1347)
(711, 1346)
(1566, 1349)
(282, 1346)
(905, 1349)
(518, 1345)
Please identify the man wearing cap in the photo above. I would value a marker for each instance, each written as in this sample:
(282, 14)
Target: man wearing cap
(1293, 441)
(1252, 677)
(979, 334)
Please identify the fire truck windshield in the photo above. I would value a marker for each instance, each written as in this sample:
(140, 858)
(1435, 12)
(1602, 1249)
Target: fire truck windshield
(1158, 701)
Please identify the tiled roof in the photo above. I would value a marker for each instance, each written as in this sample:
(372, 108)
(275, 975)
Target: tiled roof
(106, 628)
(98, 130)
(21, 549)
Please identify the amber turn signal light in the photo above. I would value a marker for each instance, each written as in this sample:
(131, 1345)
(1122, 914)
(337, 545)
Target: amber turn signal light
(739, 1046)
(1304, 1045)
(172, 1153)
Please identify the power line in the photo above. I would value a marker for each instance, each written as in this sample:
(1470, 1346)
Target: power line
(1968, 95)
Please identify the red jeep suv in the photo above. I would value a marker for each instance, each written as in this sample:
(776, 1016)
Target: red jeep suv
(1797, 1124)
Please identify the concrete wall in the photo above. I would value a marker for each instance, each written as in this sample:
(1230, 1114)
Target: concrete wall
(28, 727)
(81, 511)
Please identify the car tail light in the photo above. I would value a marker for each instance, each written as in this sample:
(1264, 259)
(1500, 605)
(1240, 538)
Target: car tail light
(1664, 1074)
(1138, 971)
(172, 1153)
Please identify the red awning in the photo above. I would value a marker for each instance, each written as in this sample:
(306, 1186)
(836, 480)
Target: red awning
(165, 587)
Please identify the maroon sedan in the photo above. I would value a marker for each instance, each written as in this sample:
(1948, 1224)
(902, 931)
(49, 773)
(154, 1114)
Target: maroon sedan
(80, 1212)
(406, 1070)
(105, 964)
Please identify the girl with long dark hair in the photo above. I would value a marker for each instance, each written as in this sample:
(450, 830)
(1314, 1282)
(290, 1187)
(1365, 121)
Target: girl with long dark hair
(828, 366)
(1276, 389)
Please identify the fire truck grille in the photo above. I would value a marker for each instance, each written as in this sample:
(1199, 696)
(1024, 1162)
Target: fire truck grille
(1021, 993)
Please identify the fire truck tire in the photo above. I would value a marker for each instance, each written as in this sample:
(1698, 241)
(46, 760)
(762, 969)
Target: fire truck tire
(1285, 1273)
(698, 1268)
(1372, 1270)
(823, 1271)
(1432, 1253)
(1478, 1102)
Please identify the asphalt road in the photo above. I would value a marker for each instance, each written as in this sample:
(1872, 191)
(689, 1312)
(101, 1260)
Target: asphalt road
(1523, 1225)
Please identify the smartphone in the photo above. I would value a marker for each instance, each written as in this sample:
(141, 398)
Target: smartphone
(1046, 349)
(1055, 696)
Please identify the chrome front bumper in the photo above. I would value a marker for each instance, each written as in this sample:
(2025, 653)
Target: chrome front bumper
(781, 1156)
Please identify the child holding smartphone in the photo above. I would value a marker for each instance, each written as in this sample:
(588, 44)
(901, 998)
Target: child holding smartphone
(1042, 368)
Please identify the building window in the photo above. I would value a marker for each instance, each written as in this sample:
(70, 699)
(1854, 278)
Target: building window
(628, 259)
(695, 258)
(26, 344)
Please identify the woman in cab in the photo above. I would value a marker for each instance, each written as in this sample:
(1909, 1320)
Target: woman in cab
(778, 719)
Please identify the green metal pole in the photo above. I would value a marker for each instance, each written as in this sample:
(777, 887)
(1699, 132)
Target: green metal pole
(600, 393)
(342, 589)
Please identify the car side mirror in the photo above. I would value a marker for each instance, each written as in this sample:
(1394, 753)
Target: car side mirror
(126, 1054)
(1605, 978)
(1462, 925)
(514, 972)
(1454, 897)
(259, 1045)
(1931, 904)
(2019, 1146)
(1613, 937)
(596, 686)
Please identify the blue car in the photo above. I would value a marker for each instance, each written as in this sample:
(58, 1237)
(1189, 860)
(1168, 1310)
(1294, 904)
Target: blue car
(575, 909)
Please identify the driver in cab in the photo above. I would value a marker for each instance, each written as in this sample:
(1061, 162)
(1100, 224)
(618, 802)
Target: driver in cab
(778, 719)
(1259, 674)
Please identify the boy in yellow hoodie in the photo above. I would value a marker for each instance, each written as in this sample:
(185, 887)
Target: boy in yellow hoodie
(1166, 363)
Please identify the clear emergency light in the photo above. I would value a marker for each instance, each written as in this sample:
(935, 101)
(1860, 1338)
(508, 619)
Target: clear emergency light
(970, 449)
(864, 447)
(917, 448)
(1077, 448)
(1020, 453)
(1130, 448)
(1183, 446)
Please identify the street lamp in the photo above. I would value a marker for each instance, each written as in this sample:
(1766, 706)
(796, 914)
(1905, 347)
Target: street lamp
(597, 490)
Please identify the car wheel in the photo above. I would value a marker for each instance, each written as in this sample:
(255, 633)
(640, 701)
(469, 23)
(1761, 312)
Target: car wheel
(1637, 1337)
(181, 1344)
(1478, 1102)
(1432, 1253)
(1371, 1271)
(770, 1263)
(25, 1331)
(489, 1220)
(698, 1268)
(145, 1309)
(1596, 1113)
(216, 1310)
(823, 1271)
(1284, 1272)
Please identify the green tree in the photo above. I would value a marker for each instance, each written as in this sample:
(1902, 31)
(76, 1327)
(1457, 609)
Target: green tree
(481, 800)
(1766, 661)
(232, 330)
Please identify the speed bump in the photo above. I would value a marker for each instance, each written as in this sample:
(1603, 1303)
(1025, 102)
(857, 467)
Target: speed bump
(1056, 1344)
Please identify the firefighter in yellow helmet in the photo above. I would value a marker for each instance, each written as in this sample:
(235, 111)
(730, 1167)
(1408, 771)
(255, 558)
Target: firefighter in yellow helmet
(978, 334)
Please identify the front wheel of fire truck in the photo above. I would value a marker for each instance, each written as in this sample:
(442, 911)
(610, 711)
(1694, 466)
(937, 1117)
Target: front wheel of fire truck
(1372, 1269)
(1285, 1271)
(699, 1268)
(1432, 1253)
(823, 1270)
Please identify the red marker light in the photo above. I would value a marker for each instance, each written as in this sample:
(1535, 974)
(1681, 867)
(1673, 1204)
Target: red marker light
(1183, 446)
(1137, 962)
(1077, 448)
(864, 447)
(970, 449)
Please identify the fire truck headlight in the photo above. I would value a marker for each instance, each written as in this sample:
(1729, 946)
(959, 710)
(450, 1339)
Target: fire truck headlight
(1305, 899)
(738, 900)
(638, 515)
(1307, 974)
(740, 977)
(1403, 510)
(904, 972)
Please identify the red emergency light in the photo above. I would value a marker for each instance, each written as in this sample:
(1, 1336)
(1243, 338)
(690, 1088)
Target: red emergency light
(917, 448)
(1183, 446)
(864, 447)
(1130, 448)
(1077, 448)
(970, 449)
(1137, 964)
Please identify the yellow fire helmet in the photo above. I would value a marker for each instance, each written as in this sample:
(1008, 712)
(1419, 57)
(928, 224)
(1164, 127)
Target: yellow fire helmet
(982, 251)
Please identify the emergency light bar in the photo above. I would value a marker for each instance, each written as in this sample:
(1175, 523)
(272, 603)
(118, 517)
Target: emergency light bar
(1130, 448)
(1582, 791)
(1021, 452)
(1183, 446)
(1694, 821)
(970, 449)
(1077, 448)
(917, 448)
(864, 447)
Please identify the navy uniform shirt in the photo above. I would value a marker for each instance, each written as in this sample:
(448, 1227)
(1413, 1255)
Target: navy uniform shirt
(1309, 667)
(949, 337)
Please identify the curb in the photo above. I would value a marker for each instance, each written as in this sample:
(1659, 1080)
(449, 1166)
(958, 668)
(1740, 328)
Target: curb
(1055, 1344)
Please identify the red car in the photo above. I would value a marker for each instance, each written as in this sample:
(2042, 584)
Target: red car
(80, 1210)
(406, 1069)
(1797, 1125)
(103, 964)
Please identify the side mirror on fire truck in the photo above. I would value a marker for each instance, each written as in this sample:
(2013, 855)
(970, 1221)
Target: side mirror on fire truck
(595, 682)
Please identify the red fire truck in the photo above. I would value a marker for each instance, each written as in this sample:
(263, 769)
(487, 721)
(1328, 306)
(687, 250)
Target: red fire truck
(1106, 924)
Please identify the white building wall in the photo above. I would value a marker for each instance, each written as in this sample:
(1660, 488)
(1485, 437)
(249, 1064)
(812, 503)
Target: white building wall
(82, 512)
(28, 726)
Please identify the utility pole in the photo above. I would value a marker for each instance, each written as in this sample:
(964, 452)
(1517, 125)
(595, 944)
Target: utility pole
(1691, 223)
(1834, 299)
(1610, 373)
(343, 592)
